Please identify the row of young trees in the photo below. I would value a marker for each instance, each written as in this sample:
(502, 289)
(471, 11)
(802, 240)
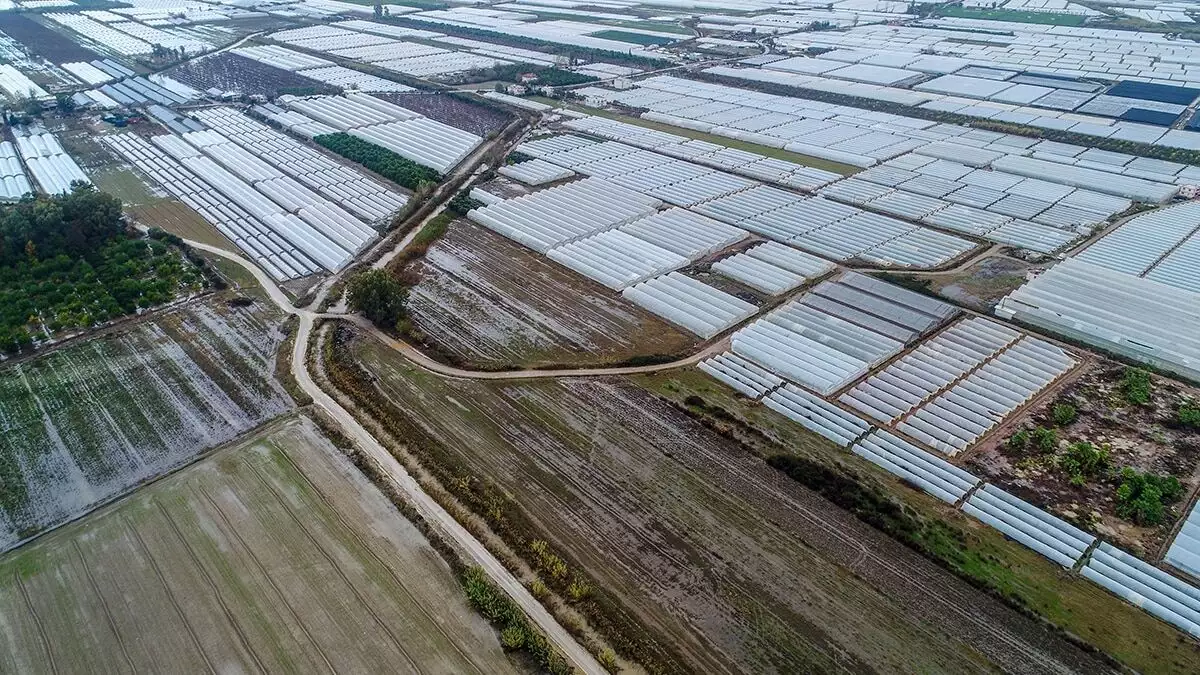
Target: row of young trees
(380, 160)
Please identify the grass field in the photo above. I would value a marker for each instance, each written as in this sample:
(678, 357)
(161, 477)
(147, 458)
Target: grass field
(274, 555)
(86, 422)
(1049, 18)
(724, 564)
(777, 153)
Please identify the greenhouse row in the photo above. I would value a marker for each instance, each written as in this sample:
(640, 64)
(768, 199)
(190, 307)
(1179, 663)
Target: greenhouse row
(749, 164)
(561, 215)
(50, 166)
(690, 304)
(616, 259)
(960, 415)
(934, 365)
(838, 331)
(293, 122)
(816, 415)
(17, 86)
(817, 347)
(406, 133)
(1135, 317)
(925, 470)
(1185, 549)
(772, 212)
(367, 198)
(347, 78)
(1146, 586)
(758, 274)
(317, 228)
(282, 193)
(409, 58)
(268, 249)
(745, 376)
(282, 57)
(536, 172)
(1052, 537)
(13, 183)
(689, 234)
(1161, 245)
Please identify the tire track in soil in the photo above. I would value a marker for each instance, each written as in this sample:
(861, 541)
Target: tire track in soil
(137, 538)
(533, 410)
(353, 534)
(910, 576)
(37, 621)
(203, 494)
(336, 568)
(216, 593)
(108, 616)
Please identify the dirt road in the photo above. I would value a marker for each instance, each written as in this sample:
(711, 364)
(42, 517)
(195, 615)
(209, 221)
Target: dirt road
(429, 509)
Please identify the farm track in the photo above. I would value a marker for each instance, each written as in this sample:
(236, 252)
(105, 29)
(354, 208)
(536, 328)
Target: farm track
(430, 510)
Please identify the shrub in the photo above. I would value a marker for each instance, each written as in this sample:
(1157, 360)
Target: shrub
(1189, 415)
(1083, 461)
(1019, 441)
(1044, 440)
(1136, 385)
(1063, 414)
(1142, 497)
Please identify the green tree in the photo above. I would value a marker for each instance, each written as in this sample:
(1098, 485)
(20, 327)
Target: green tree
(1063, 414)
(1084, 461)
(1044, 440)
(379, 296)
(1142, 497)
(1136, 386)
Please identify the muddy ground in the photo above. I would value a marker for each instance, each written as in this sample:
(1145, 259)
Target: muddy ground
(86, 422)
(486, 301)
(274, 555)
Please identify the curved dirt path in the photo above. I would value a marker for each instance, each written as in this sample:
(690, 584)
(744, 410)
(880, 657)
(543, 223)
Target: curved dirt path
(430, 510)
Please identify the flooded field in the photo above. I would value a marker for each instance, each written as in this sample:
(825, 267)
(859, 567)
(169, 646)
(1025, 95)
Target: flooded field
(727, 565)
(83, 424)
(271, 556)
(484, 300)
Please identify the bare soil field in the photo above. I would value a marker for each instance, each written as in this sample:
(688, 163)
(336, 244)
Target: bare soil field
(178, 218)
(486, 301)
(719, 563)
(42, 41)
(274, 555)
(84, 423)
(232, 72)
(476, 118)
(48, 75)
(1147, 437)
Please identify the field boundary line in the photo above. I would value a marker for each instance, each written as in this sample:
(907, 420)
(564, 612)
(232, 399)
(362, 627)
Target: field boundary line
(141, 544)
(216, 592)
(108, 617)
(37, 621)
(358, 539)
(333, 564)
(263, 570)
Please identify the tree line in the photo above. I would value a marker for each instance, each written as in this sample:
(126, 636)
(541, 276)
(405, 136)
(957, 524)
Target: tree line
(382, 161)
